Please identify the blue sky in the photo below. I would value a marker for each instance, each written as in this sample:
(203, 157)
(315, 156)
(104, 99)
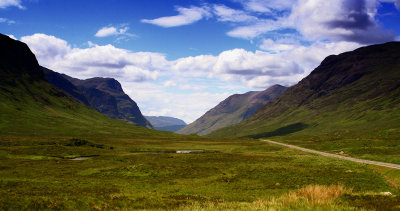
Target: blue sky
(181, 57)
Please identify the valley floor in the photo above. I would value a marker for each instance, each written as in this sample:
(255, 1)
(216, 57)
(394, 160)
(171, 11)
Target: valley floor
(41, 173)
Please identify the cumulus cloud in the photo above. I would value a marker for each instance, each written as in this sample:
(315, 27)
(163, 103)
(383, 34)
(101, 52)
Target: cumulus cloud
(155, 100)
(10, 3)
(47, 48)
(186, 16)
(111, 30)
(286, 61)
(106, 61)
(7, 21)
(242, 62)
(339, 20)
(334, 20)
(279, 45)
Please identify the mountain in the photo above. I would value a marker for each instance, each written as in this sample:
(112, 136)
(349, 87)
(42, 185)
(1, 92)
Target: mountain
(32, 107)
(351, 96)
(103, 94)
(166, 123)
(232, 110)
(60, 82)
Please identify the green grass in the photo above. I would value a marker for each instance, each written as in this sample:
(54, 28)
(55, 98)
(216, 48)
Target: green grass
(229, 171)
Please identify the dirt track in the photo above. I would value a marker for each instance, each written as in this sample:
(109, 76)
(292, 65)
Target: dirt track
(389, 165)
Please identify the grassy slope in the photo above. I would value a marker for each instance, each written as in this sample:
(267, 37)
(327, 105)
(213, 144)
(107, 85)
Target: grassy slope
(361, 117)
(38, 108)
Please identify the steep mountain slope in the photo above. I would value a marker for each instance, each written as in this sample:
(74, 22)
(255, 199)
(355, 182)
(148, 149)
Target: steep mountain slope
(60, 82)
(232, 110)
(32, 107)
(351, 96)
(166, 123)
(106, 96)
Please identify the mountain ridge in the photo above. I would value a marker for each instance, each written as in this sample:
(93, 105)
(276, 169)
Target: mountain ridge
(103, 94)
(232, 110)
(166, 123)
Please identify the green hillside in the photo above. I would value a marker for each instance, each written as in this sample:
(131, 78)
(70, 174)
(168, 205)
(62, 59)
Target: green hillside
(350, 103)
(235, 109)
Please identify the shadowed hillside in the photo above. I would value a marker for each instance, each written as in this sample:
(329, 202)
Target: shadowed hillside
(106, 96)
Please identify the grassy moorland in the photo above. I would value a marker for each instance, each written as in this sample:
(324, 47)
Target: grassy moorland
(115, 173)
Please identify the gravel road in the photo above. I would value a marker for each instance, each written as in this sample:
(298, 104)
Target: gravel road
(389, 165)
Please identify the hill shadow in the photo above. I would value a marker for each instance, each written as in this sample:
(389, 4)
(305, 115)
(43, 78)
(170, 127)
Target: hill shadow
(280, 131)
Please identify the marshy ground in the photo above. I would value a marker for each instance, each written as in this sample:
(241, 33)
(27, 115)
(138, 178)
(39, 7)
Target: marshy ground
(38, 173)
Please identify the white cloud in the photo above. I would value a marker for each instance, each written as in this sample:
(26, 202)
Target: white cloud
(246, 63)
(279, 45)
(12, 36)
(47, 48)
(186, 16)
(255, 30)
(106, 61)
(169, 83)
(112, 31)
(194, 66)
(267, 6)
(338, 20)
(11, 3)
(226, 14)
(7, 21)
(155, 100)
(315, 20)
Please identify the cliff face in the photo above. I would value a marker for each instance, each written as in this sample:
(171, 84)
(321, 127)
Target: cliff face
(106, 96)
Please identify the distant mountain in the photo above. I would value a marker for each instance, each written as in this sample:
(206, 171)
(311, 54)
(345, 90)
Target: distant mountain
(166, 123)
(348, 96)
(103, 94)
(232, 110)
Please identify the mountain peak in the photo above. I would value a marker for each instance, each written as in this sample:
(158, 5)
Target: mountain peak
(17, 60)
